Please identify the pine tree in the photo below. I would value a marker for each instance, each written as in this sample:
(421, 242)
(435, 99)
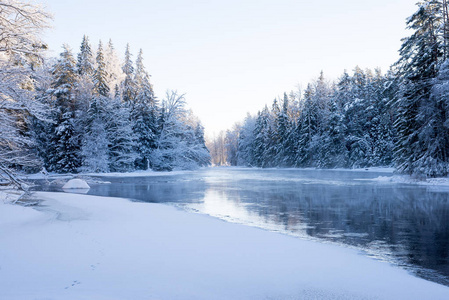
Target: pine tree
(128, 84)
(65, 80)
(333, 149)
(262, 138)
(100, 75)
(122, 140)
(144, 113)
(85, 63)
(202, 157)
(421, 54)
(246, 142)
(113, 70)
(283, 154)
(357, 121)
(96, 143)
(307, 129)
(434, 160)
(66, 144)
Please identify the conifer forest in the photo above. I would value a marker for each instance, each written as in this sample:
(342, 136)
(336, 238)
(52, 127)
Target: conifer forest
(88, 110)
(363, 119)
(85, 112)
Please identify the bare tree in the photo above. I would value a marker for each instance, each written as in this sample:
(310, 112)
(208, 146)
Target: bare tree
(21, 25)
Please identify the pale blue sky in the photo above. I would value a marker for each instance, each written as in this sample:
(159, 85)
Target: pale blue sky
(232, 57)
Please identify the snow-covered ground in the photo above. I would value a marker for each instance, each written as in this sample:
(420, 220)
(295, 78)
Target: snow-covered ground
(84, 247)
(148, 173)
(441, 181)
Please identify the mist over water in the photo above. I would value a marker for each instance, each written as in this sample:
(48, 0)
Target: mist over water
(405, 224)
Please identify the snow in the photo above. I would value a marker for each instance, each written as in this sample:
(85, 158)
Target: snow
(144, 173)
(441, 181)
(10, 195)
(86, 247)
(76, 183)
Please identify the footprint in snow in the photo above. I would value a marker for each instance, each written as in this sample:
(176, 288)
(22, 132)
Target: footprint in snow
(76, 282)
(93, 267)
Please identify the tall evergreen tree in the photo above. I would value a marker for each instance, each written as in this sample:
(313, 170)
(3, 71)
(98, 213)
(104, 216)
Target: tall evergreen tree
(96, 143)
(114, 70)
(144, 114)
(85, 63)
(101, 86)
(122, 139)
(66, 144)
(128, 84)
(421, 54)
(283, 129)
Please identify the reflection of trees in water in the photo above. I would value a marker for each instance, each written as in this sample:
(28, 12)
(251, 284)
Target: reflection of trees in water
(412, 222)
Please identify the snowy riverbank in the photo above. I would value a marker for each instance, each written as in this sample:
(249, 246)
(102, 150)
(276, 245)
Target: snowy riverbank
(85, 247)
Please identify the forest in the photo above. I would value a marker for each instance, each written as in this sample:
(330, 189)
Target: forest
(85, 112)
(91, 111)
(363, 119)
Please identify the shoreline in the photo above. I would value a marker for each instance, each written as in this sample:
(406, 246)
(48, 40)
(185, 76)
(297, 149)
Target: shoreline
(88, 247)
(391, 177)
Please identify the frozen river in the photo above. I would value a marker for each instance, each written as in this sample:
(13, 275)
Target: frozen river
(405, 224)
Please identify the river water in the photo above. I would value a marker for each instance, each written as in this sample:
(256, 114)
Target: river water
(405, 224)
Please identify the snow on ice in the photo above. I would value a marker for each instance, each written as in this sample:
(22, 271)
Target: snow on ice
(86, 247)
(76, 183)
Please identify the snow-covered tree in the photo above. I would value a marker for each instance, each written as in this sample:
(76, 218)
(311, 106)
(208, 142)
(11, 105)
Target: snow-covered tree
(122, 139)
(96, 143)
(232, 144)
(100, 75)
(144, 113)
(66, 145)
(245, 155)
(85, 64)
(178, 143)
(113, 69)
(421, 55)
(21, 48)
(261, 138)
(128, 84)
(434, 136)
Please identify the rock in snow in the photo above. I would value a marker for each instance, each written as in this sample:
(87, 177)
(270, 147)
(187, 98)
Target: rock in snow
(76, 184)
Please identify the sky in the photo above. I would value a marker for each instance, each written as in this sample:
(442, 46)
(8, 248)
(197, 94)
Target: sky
(233, 57)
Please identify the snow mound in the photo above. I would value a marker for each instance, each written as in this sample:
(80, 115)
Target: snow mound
(76, 184)
(442, 181)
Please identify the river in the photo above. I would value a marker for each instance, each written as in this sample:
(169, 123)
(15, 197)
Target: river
(404, 224)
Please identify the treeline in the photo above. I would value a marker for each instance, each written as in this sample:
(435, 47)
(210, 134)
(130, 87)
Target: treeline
(365, 119)
(90, 112)
(105, 117)
(347, 125)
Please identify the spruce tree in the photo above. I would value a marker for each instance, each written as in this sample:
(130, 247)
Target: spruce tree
(122, 140)
(421, 54)
(66, 143)
(95, 143)
(128, 84)
(144, 113)
(101, 86)
(85, 63)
